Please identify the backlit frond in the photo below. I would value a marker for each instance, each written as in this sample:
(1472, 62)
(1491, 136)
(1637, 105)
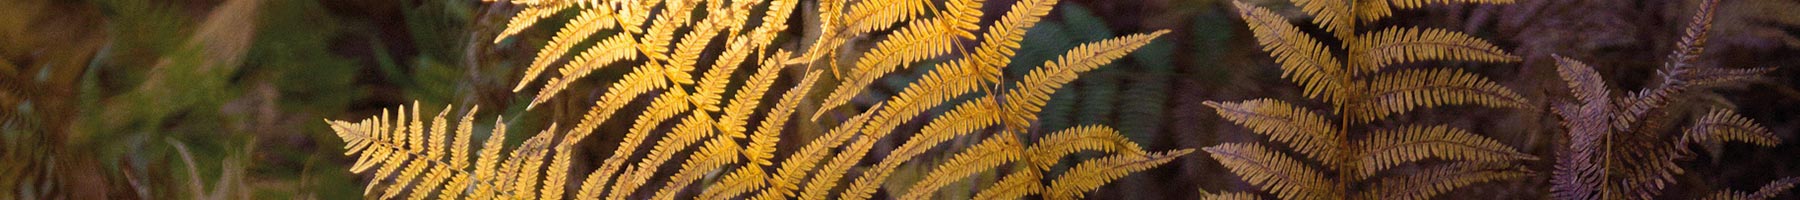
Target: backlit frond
(1303, 59)
(1034, 91)
(1052, 148)
(1013, 186)
(1230, 196)
(1432, 181)
(1378, 50)
(1402, 91)
(1273, 172)
(586, 24)
(1331, 15)
(1303, 130)
(1092, 174)
(992, 152)
(1388, 148)
(916, 41)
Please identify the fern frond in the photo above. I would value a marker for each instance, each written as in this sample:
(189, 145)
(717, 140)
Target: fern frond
(916, 41)
(1300, 129)
(787, 177)
(695, 127)
(1013, 186)
(724, 150)
(1230, 196)
(1092, 174)
(1034, 91)
(1388, 148)
(1273, 172)
(1432, 181)
(529, 157)
(1402, 91)
(762, 146)
(1375, 10)
(1714, 76)
(608, 51)
(1375, 51)
(1303, 59)
(586, 24)
(558, 169)
(1045, 153)
(1774, 188)
(1331, 15)
(992, 152)
(526, 18)
(485, 165)
(1722, 125)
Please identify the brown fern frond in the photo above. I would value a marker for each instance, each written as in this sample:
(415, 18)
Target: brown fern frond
(1092, 174)
(1774, 188)
(1722, 125)
(1303, 59)
(1375, 51)
(1013, 186)
(1432, 181)
(1273, 172)
(1716, 76)
(1048, 150)
(992, 152)
(1388, 148)
(1302, 130)
(1402, 91)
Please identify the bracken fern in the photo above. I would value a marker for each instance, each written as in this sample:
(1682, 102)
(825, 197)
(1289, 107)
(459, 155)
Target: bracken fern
(1619, 146)
(1363, 87)
(719, 151)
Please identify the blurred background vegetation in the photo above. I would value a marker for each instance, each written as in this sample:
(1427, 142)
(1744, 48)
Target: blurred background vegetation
(223, 99)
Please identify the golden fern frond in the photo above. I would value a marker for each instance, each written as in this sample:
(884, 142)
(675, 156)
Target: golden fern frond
(661, 109)
(586, 24)
(529, 159)
(608, 51)
(1374, 51)
(1402, 91)
(1375, 10)
(1092, 174)
(916, 41)
(1769, 191)
(695, 127)
(1273, 172)
(559, 169)
(1013, 186)
(1432, 181)
(827, 177)
(525, 18)
(992, 152)
(793, 169)
(1722, 125)
(835, 28)
(1331, 15)
(486, 164)
(724, 150)
(1300, 129)
(1048, 150)
(421, 168)
(1303, 59)
(762, 145)
(1034, 91)
(1388, 148)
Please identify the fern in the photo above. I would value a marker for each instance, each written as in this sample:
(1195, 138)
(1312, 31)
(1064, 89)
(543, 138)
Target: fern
(663, 50)
(1617, 148)
(1363, 88)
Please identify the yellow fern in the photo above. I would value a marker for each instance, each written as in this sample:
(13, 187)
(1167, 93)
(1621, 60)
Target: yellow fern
(1094, 173)
(1361, 90)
